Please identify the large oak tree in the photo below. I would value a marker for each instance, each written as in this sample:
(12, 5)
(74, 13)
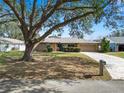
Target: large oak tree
(46, 16)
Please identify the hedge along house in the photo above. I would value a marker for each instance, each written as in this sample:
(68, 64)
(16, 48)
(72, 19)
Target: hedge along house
(8, 44)
(116, 43)
(57, 42)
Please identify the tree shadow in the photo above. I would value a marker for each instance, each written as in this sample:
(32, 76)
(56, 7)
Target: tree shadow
(90, 76)
(50, 69)
(72, 68)
(35, 86)
(23, 86)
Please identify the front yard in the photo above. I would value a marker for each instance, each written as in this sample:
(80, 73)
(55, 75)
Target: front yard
(55, 65)
(118, 54)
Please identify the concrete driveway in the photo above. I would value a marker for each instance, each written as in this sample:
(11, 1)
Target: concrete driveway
(115, 65)
(61, 86)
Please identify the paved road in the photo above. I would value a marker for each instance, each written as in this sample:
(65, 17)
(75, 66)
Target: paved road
(115, 65)
(61, 86)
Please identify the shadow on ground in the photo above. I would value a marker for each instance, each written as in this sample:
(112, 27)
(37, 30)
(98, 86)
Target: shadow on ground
(23, 86)
(61, 86)
(62, 68)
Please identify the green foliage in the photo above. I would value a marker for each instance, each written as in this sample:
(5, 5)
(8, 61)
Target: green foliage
(74, 8)
(61, 47)
(10, 30)
(105, 45)
(49, 49)
(117, 33)
(71, 49)
(13, 54)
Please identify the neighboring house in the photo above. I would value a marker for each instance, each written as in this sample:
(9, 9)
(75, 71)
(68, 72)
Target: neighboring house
(84, 45)
(116, 43)
(8, 44)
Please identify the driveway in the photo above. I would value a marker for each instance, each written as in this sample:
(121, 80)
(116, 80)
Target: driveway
(61, 86)
(114, 65)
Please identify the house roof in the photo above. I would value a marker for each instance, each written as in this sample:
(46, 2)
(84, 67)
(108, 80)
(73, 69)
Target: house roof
(118, 40)
(67, 40)
(10, 40)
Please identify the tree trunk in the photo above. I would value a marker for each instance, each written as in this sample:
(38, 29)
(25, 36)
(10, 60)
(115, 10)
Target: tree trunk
(28, 52)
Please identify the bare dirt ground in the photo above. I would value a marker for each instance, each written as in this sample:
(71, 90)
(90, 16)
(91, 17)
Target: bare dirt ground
(52, 67)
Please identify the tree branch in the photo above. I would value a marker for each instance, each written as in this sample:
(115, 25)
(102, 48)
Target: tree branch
(23, 26)
(44, 18)
(14, 10)
(62, 24)
(48, 5)
(68, 21)
(11, 20)
(22, 3)
(7, 14)
(76, 8)
(32, 13)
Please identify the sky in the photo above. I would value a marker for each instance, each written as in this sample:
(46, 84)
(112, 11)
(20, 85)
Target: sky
(99, 32)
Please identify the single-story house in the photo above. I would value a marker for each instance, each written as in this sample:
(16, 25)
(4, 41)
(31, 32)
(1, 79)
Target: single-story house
(8, 44)
(56, 42)
(116, 43)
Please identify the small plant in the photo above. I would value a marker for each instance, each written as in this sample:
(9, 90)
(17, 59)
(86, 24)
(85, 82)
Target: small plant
(77, 49)
(105, 45)
(49, 49)
(71, 49)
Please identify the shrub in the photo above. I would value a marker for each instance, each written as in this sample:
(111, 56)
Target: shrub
(15, 48)
(71, 49)
(77, 50)
(60, 47)
(105, 45)
(49, 49)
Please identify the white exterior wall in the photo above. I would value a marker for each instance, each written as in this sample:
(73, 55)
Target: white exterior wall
(22, 47)
(9, 47)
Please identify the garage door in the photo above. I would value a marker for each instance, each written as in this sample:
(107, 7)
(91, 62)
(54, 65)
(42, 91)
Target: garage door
(88, 47)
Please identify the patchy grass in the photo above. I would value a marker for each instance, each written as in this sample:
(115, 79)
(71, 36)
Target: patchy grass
(118, 54)
(63, 55)
(56, 65)
(9, 55)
